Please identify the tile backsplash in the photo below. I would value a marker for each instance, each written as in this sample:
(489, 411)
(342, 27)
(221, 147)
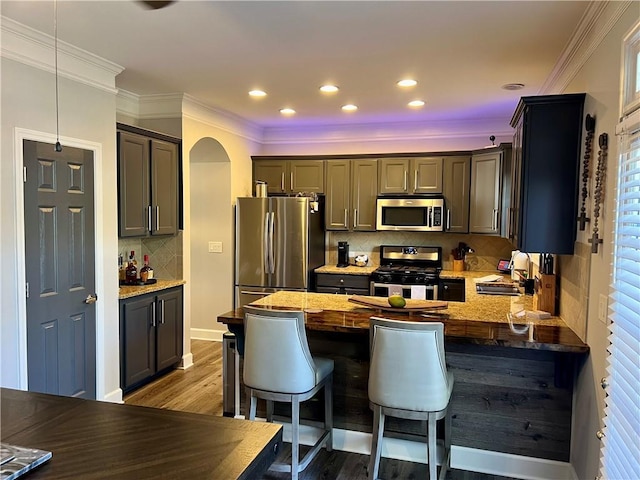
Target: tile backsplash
(165, 254)
(488, 249)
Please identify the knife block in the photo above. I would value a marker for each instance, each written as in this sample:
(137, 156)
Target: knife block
(544, 295)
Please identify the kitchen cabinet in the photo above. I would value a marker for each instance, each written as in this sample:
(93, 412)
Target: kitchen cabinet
(451, 289)
(148, 189)
(485, 195)
(151, 329)
(344, 284)
(290, 176)
(455, 188)
(418, 175)
(545, 173)
(350, 201)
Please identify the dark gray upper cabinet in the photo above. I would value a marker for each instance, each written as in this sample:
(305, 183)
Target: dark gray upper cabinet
(547, 145)
(351, 195)
(419, 175)
(486, 177)
(148, 185)
(290, 176)
(455, 187)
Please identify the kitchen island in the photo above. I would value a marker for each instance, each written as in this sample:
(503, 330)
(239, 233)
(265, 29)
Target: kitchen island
(513, 383)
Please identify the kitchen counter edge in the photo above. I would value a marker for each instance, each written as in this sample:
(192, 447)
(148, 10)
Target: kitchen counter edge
(137, 290)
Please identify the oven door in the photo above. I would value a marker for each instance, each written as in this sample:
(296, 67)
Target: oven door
(387, 289)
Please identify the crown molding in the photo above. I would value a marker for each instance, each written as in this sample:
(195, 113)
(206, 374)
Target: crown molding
(596, 23)
(392, 131)
(31, 47)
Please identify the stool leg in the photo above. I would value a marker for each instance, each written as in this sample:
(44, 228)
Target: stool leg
(328, 412)
(376, 441)
(270, 411)
(446, 464)
(295, 436)
(431, 445)
(252, 404)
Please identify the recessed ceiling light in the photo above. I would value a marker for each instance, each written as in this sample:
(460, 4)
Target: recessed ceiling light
(513, 86)
(407, 82)
(416, 103)
(257, 93)
(329, 89)
(287, 111)
(349, 107)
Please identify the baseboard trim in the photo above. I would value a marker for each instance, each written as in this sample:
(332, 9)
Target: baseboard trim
(206, 334)
(187, 361)
(114, 396)
(462, 458)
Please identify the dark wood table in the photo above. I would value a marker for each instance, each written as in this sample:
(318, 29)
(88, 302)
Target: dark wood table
(91, 439)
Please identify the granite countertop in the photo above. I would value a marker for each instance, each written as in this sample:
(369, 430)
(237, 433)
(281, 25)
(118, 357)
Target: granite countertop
(135, 290)
(481, 319)
(350, 270)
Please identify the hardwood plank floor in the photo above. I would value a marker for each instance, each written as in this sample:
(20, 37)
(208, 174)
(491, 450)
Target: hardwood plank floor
(199, 390)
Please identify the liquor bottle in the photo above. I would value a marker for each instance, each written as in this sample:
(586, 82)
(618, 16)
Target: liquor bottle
(131, 273)
(146, 272)
(121, 269)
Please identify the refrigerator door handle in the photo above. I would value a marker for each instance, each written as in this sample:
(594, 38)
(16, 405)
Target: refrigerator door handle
(265, 243)
(271, 253)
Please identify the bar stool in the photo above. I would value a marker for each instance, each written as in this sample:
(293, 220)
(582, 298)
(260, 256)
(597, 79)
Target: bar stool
(279, 367)
(408, 378)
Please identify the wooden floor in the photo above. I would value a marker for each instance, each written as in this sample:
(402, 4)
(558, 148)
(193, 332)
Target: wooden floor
(199, 390)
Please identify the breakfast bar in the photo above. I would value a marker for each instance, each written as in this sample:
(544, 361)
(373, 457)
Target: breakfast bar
(513, 380)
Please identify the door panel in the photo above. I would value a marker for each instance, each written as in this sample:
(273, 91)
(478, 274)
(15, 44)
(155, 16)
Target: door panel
(133, 184)
(137, 336)
(59, 264)
(290, 234)
(169, 329)
(250, 232)
(164, 187)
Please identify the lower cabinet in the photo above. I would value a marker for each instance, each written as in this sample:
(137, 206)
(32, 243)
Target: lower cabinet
(345, 284)
(151, 329)
(451, 290)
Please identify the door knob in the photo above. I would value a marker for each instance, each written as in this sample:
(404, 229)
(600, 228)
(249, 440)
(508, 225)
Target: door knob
(91, 299)
(603, 382)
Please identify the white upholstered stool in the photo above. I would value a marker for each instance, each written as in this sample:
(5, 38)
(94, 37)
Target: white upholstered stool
(279, 367)
(408, 378)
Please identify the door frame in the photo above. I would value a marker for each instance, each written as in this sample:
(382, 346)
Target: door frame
(20, 135)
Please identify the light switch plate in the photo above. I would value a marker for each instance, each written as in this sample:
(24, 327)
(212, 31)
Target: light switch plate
(603, 307)
(215, 247)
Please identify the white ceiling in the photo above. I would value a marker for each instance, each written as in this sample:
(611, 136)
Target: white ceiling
(461, 53)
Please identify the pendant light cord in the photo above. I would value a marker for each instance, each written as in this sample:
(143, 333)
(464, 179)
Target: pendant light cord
(58, 147)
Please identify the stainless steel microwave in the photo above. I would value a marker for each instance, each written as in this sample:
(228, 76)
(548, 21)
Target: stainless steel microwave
(413, 214)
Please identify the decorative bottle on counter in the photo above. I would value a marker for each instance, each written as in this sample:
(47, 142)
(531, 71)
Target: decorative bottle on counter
(122, 269)
(146, 272)
(131, 274)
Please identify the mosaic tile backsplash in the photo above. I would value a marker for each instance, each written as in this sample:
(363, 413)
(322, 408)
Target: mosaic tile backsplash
(165, 254)
(488, 249)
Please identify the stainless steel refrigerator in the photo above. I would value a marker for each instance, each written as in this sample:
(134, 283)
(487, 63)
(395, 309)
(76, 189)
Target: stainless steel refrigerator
(279, 242)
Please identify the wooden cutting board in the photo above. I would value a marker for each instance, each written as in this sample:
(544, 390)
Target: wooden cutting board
(412, 305)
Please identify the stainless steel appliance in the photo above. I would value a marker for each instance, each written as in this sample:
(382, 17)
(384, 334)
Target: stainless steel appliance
(279, 242)
(417, 214)
(402, 268)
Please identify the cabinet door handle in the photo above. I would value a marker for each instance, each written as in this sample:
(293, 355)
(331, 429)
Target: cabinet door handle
(404, 186)
(149, 218)
(415, 181)
(153, 314)
(494, 222)
(162, 311)
(355, 217)
(291, 181)
(448, 219)
(509, 226)
(346, 221)
(282, 182)
(157, 217)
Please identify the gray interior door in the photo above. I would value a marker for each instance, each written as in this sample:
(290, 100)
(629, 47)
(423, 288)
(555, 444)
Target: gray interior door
(59, 263)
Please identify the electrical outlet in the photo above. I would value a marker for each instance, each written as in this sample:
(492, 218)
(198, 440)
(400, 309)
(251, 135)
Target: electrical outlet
(603, 307)
(215, 247)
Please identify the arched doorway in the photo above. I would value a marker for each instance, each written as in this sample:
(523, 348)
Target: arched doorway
(211, 235)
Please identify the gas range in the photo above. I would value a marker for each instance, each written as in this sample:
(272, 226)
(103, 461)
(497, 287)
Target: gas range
(402, 267)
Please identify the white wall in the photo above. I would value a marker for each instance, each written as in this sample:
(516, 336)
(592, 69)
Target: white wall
(86, 114)
(216, 170)
(600, 78)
